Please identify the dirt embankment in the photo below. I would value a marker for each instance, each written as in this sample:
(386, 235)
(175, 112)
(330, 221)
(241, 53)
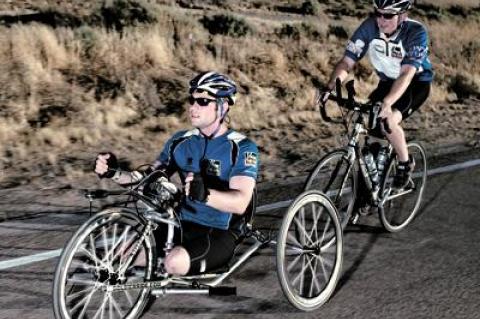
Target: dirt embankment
(77, 78)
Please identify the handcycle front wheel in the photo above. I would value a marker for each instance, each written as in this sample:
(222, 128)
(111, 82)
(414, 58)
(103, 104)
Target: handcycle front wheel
(335, 176)
(400, 209)
(100, 256)
(309, 251)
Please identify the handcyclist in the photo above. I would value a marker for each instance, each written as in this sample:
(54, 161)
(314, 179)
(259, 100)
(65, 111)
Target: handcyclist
(398, 50)
(218, 167)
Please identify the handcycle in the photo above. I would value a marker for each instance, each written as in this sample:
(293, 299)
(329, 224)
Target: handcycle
(367, 168)
(98, 276)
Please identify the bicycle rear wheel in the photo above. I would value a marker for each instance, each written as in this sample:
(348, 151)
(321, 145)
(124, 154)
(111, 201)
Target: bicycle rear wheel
(99, 257)
(400, 209)
(309, 251)
(335, 176)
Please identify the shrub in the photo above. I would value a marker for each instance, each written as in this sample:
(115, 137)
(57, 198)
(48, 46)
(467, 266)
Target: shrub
(338, 31)
(226, 25)
(123, 13)
(464, 86)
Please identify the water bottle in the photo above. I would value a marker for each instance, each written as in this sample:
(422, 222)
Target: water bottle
(371, 167)
(381, 160)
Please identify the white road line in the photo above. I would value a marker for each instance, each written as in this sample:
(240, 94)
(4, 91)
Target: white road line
(55, 253)
(30, 259)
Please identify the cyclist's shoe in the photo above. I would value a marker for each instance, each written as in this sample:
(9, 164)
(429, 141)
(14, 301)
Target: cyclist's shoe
(404, 174)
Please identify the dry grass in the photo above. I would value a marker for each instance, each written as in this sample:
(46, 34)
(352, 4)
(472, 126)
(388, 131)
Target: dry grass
(66, 93)
(449, 3)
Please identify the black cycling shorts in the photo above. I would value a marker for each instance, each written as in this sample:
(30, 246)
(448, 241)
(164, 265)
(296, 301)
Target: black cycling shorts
(209, 248)
(416, 93)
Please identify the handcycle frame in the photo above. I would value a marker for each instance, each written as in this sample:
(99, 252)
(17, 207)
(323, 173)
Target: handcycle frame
(154, 214)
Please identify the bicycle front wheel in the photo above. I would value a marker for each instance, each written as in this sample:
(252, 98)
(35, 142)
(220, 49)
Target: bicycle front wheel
(309, 251)
(99, 258)
(334, 175)
(400, 209)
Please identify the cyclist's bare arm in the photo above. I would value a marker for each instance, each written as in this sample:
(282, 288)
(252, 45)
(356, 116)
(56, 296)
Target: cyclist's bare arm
(121, 177)
(235, 200)
(343, 67)
(407, 72)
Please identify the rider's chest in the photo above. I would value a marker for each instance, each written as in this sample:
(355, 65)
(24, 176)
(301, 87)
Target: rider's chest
(214, 161)
(389, 50)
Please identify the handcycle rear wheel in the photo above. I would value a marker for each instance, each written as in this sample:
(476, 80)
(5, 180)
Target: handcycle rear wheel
(100, 255)
(334, 176)
(309, 251)
(397, 212)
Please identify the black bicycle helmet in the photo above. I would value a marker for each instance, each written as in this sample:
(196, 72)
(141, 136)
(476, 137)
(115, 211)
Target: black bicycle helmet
(396, 6)
(216, 84)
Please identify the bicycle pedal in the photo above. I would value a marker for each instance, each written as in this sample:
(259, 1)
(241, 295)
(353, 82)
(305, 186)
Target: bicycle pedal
(354, 219)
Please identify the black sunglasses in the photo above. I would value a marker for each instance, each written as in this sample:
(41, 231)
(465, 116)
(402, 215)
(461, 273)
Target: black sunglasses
(199, 100)
(386, 16)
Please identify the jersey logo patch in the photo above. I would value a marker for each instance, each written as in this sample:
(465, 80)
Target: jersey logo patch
(214, 167)
(397, 52)
(356, 47)
(250, 159)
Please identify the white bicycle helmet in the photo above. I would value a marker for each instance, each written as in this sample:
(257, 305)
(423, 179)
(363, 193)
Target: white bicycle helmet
(395, 6)
(216, 84)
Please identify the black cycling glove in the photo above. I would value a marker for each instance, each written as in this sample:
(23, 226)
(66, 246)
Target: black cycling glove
(198, 189)
(112, 165)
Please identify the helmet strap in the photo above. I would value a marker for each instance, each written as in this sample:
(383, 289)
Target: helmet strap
(218, 114)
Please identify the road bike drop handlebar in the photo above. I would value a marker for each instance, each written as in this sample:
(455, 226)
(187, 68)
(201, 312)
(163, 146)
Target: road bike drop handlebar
(349, 103)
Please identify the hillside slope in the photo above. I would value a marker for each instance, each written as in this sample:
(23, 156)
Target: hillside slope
(77, 78)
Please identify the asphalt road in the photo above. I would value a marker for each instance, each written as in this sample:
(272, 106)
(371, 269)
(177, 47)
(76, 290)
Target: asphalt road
(430, 270)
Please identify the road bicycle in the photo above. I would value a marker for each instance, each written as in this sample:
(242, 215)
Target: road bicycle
(358, 177)
(98, 274)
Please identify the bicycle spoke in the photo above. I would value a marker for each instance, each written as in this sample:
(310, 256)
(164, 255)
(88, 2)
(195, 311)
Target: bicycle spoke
(302, 229)
(116, 307)
(110, 306)
(301, 273)
(92, 245)
(83, 265)
(315, 222)
(325, 229)
(105, 244)
(101, 310)
(79, 293)
(325, 262)
(94, 258)
(292, 250)
(313, 281)
(294, 240)
(122, 267)
(84, 301)
(122, 242)
(294, 262)
(129, 298)
(82, 281)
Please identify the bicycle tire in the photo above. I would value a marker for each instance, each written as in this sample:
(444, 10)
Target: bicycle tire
(317, 248)
(94, 258)
(327, 177)
(397, 213)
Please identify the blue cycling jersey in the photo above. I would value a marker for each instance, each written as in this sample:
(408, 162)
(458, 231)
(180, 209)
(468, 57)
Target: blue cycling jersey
(219, 159)
(408, 45)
